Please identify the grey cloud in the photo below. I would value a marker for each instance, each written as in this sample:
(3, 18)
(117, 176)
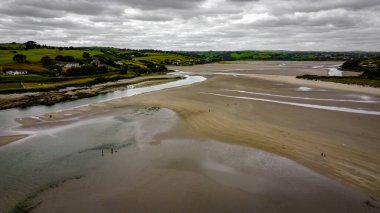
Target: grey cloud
(195, 24)
(25, 11)
(158, 4)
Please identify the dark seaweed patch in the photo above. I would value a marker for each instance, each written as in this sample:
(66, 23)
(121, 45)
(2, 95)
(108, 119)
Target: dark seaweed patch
(123, 119)
(28, 204)
(109, 146)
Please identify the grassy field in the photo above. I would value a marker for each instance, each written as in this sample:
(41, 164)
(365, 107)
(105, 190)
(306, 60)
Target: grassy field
(23, 78)
(15, 46)
(34, 85)
(134, 62)
(160, 57)
(32, 67)
(6, 86)
(35, 55)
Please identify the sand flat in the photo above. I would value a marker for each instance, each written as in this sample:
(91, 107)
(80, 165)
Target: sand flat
(350, 141)
(10, 138)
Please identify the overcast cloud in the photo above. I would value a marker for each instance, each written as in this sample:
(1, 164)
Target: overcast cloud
(195, 24)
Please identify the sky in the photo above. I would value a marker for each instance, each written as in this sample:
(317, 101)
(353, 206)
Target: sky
(321, 25)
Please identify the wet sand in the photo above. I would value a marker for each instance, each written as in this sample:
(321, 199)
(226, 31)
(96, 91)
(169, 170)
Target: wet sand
(349, 141)
(10, 138)
(149, 165)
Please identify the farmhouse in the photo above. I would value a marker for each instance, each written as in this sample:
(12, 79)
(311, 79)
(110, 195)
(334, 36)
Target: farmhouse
(95, 62)
(16, 72)
(119, 62)
(68, 64)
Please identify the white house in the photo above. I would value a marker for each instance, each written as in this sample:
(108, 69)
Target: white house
(119, 62)
(71, 65)
(96, 62)
(16, 72)
(68, 64)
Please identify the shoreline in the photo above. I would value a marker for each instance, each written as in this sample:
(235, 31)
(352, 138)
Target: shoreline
(7, 139)
(9, 101)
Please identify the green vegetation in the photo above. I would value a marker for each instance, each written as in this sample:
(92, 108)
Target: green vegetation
(50, 68)
(24, 78)
(35, 55)
(358, 80)
(212, 56)
(370, 68)
(49, 84)
(12, 46)
(19, 58)
(160, 58)
(10, 86)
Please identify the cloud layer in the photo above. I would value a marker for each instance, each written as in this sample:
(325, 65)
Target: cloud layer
(195, 24)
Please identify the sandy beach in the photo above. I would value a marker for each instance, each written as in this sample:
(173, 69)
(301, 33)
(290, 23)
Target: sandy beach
(327, 127)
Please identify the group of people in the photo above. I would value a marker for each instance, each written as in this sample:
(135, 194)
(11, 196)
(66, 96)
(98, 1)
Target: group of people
(112, 150)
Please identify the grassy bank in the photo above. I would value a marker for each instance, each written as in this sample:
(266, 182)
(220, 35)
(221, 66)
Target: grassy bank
(35, 83)
(358, 80)
(50, 98)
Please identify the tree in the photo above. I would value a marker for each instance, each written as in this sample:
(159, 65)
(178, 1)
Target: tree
(59, 58)
(68, 58)
(86, 55)
(83, 70)
(31, 45)
(57, 69)
(124, 69)
(102, 69)
(46, 61)
(19, 58)
(351, 64)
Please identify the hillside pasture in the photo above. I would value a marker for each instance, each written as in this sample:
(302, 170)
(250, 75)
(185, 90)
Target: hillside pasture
(35, 55)
(14, 85)
(160, 57)
(32, 67)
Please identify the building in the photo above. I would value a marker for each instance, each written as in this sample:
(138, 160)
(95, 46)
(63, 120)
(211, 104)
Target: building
(119, 62)
(68, 64)
(95, 62)
(71, 65)
(16, 72)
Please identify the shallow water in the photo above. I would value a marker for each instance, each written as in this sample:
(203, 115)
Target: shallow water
(334, 72)
(55, 154)
(7, 116)
(64, 170)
